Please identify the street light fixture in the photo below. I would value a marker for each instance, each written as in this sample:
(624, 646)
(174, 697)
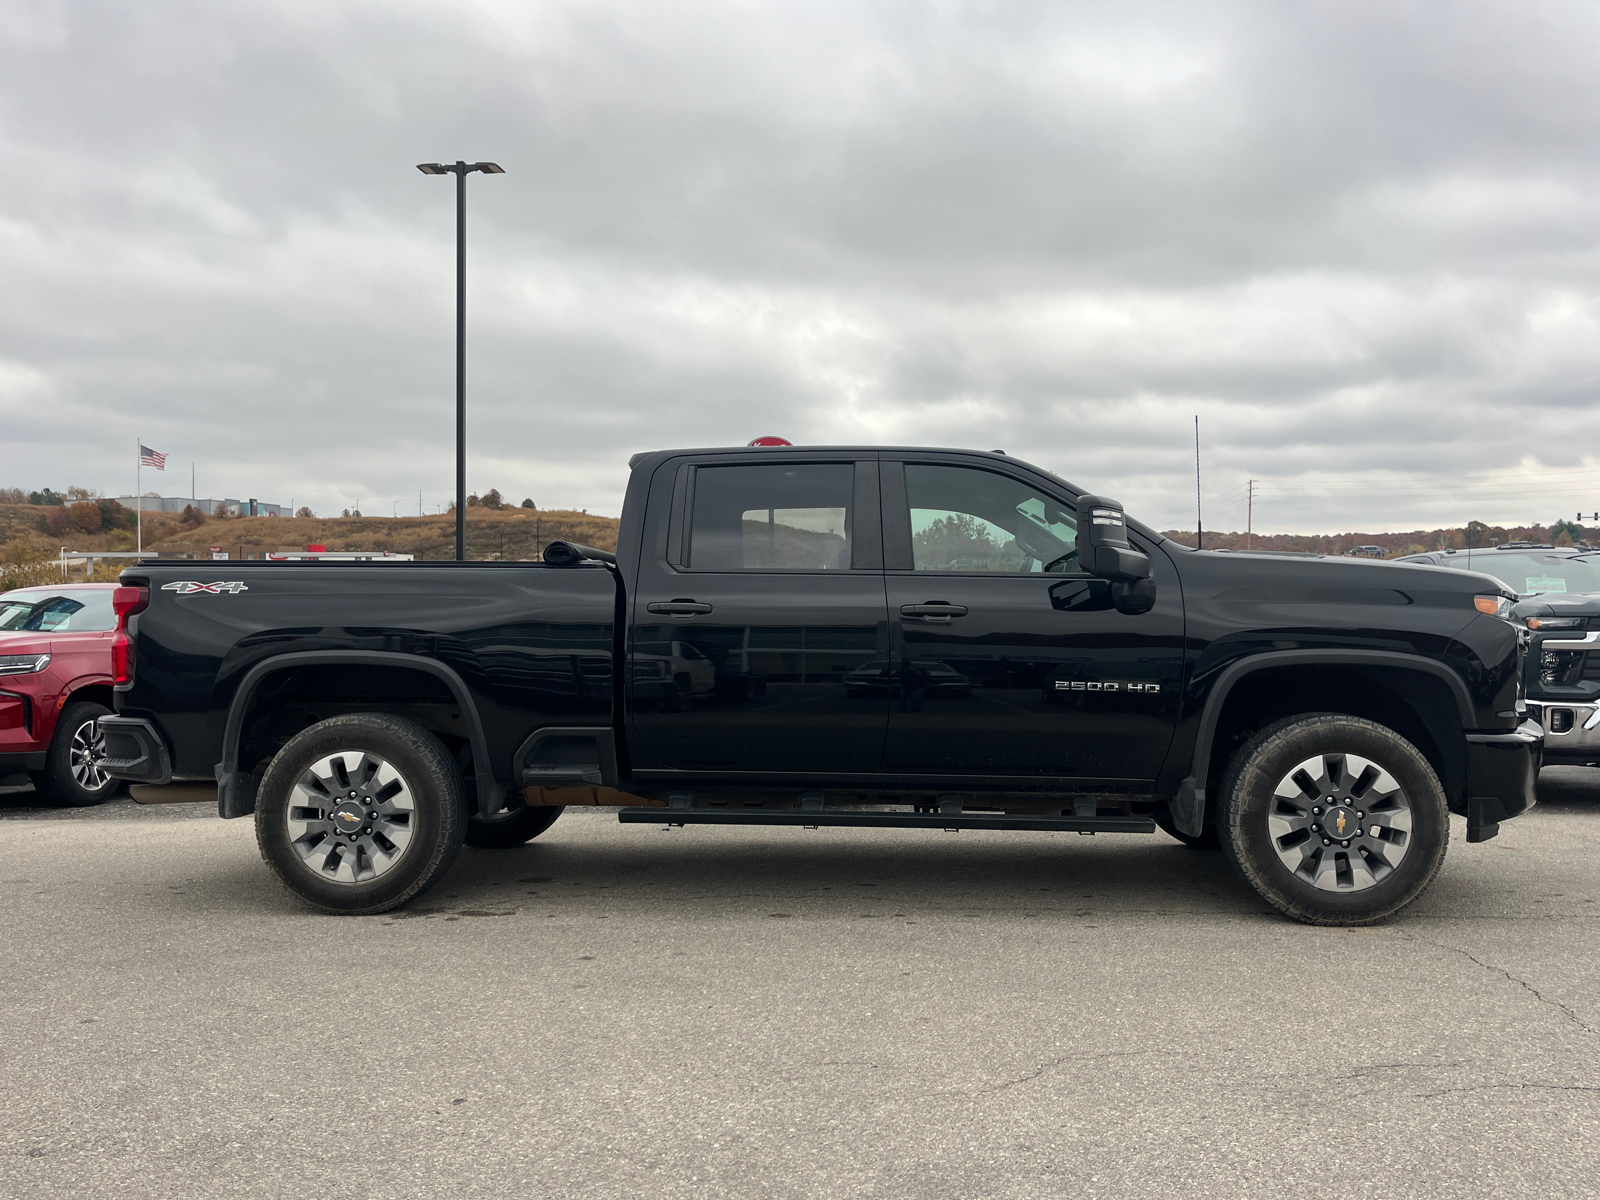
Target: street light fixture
(461, 170)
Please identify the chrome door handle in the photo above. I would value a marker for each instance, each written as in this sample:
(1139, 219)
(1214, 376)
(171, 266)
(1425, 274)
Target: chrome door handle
(679, 608)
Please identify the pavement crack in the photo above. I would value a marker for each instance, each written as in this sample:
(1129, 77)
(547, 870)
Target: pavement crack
(1043, 1069)
(1489, 1087)
(1522, 983)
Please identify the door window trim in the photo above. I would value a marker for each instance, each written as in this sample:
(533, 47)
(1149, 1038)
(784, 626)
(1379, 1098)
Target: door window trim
(864, 528)
(898, 554)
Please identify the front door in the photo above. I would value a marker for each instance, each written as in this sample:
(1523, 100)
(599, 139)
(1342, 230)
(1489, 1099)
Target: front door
(1008, 661)
(755, 637)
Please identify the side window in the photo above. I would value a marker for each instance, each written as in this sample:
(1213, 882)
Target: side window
(968, 519)
(776, 517)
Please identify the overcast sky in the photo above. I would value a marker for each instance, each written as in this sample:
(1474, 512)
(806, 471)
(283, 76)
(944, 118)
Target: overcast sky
(1358, 239)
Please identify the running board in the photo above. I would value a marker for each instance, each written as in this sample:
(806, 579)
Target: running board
(911, 820)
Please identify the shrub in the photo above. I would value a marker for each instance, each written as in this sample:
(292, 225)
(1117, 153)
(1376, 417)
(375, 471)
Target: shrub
(57, 521)
(304, 511)
(221, 511)
(113, 515)
(527, 503)
(85, 516)
(44, 497)
(34, 573)
(493, 499)
(13, 496)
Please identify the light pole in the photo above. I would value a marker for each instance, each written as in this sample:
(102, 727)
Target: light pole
(461, 170)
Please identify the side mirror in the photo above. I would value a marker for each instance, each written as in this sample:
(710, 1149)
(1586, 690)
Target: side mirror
(1103, 547)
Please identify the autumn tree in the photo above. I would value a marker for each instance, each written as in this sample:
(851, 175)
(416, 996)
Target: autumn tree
(85, 516)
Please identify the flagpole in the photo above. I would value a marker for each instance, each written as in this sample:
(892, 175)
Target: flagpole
(138, 488)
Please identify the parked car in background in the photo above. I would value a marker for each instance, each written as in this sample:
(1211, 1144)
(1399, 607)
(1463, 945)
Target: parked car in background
(1526, 568)
(1561, 674)
(1365, 552)
(55, 685)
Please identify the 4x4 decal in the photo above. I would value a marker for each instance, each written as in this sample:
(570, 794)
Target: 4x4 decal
(189, 587)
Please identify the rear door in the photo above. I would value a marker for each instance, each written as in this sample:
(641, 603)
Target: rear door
(1007, 660)
(752, 620)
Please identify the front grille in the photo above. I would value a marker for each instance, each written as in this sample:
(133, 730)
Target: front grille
(1568, 668)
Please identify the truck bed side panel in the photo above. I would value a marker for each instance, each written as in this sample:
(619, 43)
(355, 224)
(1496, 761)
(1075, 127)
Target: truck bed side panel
(532, 643)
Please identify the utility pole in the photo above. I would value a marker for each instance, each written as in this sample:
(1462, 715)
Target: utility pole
(1199, 529)
(1249, 511)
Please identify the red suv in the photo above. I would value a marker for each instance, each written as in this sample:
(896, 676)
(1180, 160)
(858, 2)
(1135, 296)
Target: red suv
(55, 685)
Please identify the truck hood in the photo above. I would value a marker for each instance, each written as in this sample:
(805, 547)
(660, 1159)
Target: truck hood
(1365, 580)
(1558, 604)
(24, 643)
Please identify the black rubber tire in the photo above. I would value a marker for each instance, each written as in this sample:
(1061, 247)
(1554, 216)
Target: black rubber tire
(55, 783)
(436, 791)
(1209, 839)
(511, 826)
(1247, 793)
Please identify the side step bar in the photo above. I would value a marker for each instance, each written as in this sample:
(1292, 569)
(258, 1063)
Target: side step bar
(910, 820)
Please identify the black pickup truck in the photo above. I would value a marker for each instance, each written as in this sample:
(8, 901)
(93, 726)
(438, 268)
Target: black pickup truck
(793, 636)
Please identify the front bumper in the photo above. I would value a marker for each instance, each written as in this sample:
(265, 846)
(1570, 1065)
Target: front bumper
(1571, 731)
(134, 751)
(22, 760)
(1502, 777)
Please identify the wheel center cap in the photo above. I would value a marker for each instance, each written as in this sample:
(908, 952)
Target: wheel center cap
(1340, 822)
(349, 817)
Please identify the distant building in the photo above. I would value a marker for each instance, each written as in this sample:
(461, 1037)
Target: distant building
(176, 504)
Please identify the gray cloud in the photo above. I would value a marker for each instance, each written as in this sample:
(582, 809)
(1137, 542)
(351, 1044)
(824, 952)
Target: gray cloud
(1357, 239)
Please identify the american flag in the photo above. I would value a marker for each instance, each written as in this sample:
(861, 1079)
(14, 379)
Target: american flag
(152, 458)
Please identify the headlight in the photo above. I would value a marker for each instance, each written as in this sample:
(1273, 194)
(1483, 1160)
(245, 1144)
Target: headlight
(1494, 606)
(1555, 622)
(23, 664)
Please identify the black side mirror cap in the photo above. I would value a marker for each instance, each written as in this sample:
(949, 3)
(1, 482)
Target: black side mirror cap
(1103, 546)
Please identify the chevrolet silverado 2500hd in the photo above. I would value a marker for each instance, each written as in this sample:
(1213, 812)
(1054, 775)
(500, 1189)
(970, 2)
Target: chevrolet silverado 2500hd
(792, 636)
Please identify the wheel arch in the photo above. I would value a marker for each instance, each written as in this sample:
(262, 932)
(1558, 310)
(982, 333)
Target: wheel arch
(96, 691)
(236, 787)
(1419, 698)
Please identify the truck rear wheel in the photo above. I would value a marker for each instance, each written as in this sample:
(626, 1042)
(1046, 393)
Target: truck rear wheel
(1335, 820)
(513, 825)
(360, 813)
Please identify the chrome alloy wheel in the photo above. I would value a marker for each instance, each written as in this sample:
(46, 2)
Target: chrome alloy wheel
(84, 756)
(1340, 822)
(350, 817)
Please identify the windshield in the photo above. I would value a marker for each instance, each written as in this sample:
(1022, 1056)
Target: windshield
(1527, 572)
(57, 610)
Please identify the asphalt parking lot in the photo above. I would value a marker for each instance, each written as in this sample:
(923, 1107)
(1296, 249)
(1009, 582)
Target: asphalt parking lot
(619, 1011)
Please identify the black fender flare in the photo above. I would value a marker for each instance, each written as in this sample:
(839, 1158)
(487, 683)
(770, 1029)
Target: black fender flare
(236, 789)
(1188, 807)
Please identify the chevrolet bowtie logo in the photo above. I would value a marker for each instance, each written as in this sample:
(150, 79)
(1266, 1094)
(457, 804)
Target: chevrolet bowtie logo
(1341, 822)
(352, 819)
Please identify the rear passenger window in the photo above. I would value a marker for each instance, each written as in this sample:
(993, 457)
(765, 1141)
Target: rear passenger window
(772, 518)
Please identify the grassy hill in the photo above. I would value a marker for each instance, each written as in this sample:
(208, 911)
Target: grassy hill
(1394, 544)
(507, 534)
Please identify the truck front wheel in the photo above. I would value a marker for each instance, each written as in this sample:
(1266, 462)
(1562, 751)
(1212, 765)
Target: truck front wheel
(1335, 820)
(360, 813)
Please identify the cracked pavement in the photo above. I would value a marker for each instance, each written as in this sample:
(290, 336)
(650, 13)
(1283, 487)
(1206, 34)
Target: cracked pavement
(617, 1011)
